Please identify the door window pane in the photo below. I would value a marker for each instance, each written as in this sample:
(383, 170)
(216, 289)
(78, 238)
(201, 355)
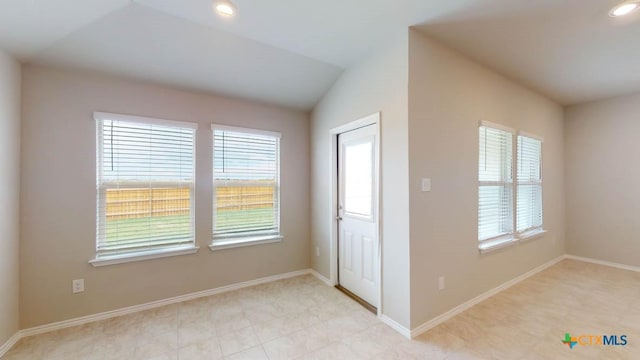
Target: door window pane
(358, 172)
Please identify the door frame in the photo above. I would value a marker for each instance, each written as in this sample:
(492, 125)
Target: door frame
(373, 119)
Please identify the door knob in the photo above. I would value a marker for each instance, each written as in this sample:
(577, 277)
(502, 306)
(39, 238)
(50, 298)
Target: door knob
(339, 218)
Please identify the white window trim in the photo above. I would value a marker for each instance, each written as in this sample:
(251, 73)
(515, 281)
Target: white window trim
(537, 231)
(533, 136)
(498, 127)
(142, 255)
(142, 119)
(506, 240)
(532, 234)
(246, 130)
(497, 243)
(159, 252)
(229, 242)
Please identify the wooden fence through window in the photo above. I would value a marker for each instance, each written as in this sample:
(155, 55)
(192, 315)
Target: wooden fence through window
(156, 202)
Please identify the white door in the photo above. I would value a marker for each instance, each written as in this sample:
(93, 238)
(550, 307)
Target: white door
(358, 213)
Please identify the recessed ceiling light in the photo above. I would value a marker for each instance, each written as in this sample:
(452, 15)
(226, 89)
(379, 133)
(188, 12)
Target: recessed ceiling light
(625, 8)
(224, 7)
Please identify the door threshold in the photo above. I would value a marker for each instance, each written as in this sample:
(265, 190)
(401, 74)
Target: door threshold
(358, 299)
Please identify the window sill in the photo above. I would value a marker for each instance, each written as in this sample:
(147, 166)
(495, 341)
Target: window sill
(493, 245)
(533, 234)
(244, 241)
(143, 255)
(499, 243)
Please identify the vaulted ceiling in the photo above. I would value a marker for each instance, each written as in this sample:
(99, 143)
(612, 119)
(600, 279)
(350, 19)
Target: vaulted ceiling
(289, 52)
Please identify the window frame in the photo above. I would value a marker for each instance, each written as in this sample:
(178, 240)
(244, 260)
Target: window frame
(141, 253)
(251, 238)
(504, 240)
(532, 232)
(508, 238)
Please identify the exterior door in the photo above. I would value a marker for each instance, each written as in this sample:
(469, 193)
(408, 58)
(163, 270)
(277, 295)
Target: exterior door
(358, 213)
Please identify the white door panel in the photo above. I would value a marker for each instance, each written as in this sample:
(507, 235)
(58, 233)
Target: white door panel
(368, 254)
(357, 213)
(348, 251)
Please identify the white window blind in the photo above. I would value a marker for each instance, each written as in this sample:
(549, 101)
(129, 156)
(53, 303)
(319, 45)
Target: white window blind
(246, 167)
(495, 175)
(145, 178)
(529, 196)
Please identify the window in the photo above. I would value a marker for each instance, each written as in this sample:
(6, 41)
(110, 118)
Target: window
(246, 165)
(529, 210)
(358, 181)
(499, 209)
(145, 178)
(495, 175)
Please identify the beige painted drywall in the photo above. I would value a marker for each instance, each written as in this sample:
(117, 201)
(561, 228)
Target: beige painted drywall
(9, 195)
(448, 96)
(602, 172)
(378, 83)
(58, 196)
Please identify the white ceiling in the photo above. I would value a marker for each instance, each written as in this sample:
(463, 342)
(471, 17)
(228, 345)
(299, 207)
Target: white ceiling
(28, 26)
(337, 32)
(289, 52)
(569, 50)
(140, 42)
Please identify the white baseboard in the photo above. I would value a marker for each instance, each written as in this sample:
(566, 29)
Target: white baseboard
(387, 320)
(395, 326)
(154, 304)
(9, 343)
(321, 278)
(466, 305)
(605, 263)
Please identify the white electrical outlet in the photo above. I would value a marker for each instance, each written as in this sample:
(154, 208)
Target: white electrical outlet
(317, 251)
(78, 286)
(441, 283)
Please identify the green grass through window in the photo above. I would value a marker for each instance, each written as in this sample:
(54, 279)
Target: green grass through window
(127, 230)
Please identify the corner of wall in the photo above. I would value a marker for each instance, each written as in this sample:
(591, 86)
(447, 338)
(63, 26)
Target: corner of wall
(600, 187)
(10, 103)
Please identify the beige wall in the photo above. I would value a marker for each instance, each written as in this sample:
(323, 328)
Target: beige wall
(9, 195)
(58, 196)
(601, 157)
(448, 96)
(378, 83)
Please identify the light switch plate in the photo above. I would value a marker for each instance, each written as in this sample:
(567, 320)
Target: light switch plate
(426, 184)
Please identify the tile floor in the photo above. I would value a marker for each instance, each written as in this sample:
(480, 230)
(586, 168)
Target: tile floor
(301, 318)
